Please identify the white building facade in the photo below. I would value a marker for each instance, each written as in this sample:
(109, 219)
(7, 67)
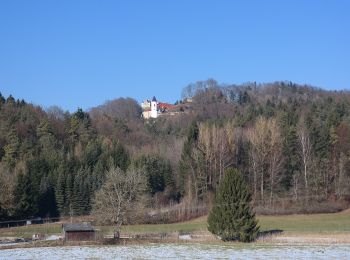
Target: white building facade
(150, 108)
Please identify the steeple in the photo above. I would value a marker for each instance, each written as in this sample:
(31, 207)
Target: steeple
(154, 107)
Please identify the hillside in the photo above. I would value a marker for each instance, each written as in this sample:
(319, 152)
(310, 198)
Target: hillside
(290, 141)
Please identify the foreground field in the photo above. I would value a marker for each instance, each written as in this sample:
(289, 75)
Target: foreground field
(181, 251)
(320, 224)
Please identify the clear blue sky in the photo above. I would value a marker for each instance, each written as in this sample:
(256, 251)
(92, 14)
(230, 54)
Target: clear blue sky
(82, 53)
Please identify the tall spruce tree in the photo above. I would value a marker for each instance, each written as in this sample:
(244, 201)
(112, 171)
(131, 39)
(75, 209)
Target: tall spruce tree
(61, 192)
(186, 157)
(12, 148)
(25, 197)
(231, 217)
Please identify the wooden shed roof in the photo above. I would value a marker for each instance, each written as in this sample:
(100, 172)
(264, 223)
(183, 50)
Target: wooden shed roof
(85, 226)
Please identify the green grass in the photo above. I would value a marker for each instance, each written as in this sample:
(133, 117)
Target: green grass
(28, 231)
(334, 222)
(188, 226)
(315, 223)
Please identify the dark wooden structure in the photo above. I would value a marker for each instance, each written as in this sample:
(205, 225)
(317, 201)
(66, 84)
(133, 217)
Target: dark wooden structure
(78, 232)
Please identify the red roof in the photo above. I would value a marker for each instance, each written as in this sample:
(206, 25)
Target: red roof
(165, 105)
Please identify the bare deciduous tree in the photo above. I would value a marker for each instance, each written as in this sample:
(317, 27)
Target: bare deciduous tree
(304, 150)
(117, 195)
(342, 183)
(7, 187)
(275, 155)
(218, 144)
(258, 136)
(265, 154)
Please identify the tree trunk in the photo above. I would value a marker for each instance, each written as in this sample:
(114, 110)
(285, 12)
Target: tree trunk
(271, 188)
(305, 176)
(262, 187)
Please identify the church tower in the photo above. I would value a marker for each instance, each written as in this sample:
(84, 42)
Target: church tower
(154, 112)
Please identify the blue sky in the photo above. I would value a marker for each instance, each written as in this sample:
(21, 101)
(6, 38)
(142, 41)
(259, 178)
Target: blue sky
(82, 53)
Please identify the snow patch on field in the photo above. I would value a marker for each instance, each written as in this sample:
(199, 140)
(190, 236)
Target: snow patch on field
(53, 237)
(185, 237)
(178, 251)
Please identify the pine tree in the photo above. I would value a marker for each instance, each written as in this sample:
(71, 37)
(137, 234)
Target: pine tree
(25, 197)
(79, 200)
(168, 175)
(10, 100)
(231, 217)
(60, 192)
(186, 156)
(12, 148)
(98, 175)
(2, 100)
(69, 192)
(120, 156)
(45, 135)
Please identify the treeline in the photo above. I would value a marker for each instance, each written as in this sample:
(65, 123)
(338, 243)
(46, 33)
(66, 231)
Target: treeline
(289, 141)
(53, 162)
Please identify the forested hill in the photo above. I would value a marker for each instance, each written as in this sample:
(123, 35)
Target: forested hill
(291, 142)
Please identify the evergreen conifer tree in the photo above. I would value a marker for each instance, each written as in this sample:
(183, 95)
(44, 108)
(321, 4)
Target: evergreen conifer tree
(12, 148)
(120, 156)
(78, 201)
(69, 193)
(2, 99)
(25, 197)
(231, 217)
(186, 156)
(60, 192)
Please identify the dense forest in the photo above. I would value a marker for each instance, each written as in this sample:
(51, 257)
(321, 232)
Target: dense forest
(291, 143)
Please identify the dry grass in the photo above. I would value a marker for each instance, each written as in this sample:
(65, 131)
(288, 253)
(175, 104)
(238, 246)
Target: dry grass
(291, 225)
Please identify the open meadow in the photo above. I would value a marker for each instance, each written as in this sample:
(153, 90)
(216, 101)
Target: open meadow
(321, 225)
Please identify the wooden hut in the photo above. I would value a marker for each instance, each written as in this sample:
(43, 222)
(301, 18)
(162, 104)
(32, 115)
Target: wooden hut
(78, 232)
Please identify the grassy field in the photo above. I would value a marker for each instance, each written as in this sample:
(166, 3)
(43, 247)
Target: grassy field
(315, 223)
(333, 222)
(28, 231)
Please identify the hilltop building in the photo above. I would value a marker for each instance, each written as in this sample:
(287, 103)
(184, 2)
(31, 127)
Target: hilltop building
(154, 109)
(150, 108)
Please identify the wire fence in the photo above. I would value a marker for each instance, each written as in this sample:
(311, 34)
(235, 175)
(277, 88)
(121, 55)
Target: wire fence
(27, 222)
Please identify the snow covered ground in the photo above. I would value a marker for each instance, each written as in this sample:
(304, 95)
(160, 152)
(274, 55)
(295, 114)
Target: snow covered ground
(182, 251)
